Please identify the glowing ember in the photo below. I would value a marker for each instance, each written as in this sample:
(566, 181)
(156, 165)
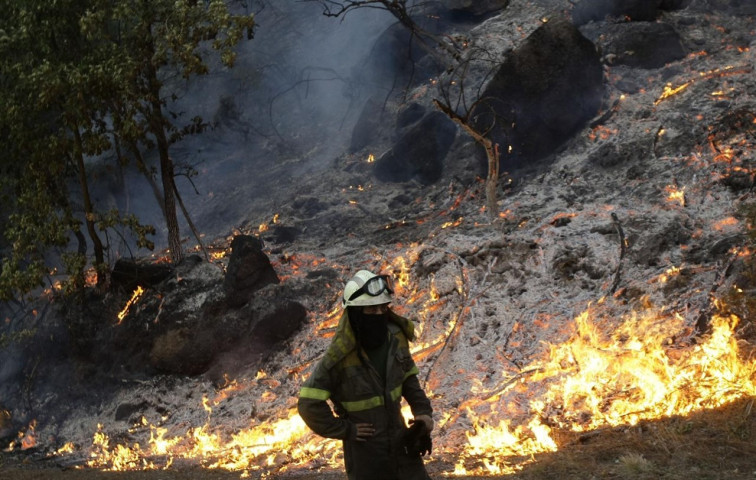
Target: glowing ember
(134, 297)
(729, 223)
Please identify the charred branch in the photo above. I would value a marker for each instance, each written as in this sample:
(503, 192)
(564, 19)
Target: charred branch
(492, 154)
(398, 8)
(623, 248)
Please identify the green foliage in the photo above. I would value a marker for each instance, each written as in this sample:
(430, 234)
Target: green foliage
(7, 339)
(78, 76)
(113, 219)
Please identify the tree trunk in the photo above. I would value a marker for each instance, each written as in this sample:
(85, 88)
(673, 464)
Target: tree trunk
(492, 153)
(157, 126)
(191, 224)
(99, 251)
(142, 166)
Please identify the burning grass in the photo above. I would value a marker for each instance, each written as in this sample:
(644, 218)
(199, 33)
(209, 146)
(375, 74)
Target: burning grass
(716, 443)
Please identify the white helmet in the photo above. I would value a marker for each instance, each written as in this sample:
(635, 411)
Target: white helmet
(366, 288)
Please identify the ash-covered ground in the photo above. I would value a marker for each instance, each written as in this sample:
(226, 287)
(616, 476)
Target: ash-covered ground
(639, 211)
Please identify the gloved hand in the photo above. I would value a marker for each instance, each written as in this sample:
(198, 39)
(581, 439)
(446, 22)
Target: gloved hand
(427, 419)
(417, 440)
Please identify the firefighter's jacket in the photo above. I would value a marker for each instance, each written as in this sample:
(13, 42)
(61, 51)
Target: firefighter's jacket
(358, 394)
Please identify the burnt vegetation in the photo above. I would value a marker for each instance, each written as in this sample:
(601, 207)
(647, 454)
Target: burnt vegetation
(563, 191)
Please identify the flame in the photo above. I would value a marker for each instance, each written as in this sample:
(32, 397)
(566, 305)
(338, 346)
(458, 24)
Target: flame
(595, 380)
(134, 297)
(26, 439)
(264, 227)
(675, 194)
(607, 372)
(670, 273)
(218, 255)
(670, 91)
(602, 132)
(455, 223)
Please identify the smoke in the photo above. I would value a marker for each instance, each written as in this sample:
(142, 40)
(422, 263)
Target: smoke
(285, 110)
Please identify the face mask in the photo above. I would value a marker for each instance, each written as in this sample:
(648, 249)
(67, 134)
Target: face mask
(370, 330)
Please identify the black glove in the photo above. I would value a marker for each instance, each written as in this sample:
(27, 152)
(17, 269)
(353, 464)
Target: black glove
(417, 440)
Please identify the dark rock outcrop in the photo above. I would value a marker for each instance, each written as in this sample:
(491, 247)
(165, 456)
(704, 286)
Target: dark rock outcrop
(594, 10)
(475, 7)
(642, 44)
(129, 273)
(542, 93)
(369, 122)
(248, 270)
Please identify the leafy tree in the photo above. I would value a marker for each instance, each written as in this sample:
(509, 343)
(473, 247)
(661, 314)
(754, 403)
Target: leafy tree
(152, 41)
(47, 132)
(80, 77)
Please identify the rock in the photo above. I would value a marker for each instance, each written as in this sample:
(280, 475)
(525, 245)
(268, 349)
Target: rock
(182, 351)
(369, 122)
(595, 10)
(128, 273)
(282, 234)
(542, 93)
(419, 154)
(126, 412)
(643, 44)
(475, 7)
(249, 270)
(276, 317)
(410, 115)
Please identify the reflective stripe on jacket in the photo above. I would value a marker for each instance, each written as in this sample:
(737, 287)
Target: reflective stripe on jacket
(345, 377)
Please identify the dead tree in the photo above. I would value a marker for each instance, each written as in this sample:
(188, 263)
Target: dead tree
(454, 91)
(455, 56)
(492, 155)
(449, 54)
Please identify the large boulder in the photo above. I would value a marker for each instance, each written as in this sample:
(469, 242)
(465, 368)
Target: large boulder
(586, 11)
(370, 123)
(129, 273)
(183, 351)
(475, 7)
(248, 270)
(541, 94)
(641, 44)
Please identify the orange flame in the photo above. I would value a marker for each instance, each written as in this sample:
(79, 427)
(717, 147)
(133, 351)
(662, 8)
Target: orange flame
(594, 380)
(134, 298)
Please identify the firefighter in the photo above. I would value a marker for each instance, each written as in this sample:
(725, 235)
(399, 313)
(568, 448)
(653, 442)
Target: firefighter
(365, 372)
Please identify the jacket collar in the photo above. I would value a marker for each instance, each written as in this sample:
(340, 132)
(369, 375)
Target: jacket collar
(344, 341)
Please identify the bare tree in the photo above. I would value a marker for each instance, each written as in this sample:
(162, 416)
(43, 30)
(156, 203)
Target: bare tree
(450, 52)
(455, 55)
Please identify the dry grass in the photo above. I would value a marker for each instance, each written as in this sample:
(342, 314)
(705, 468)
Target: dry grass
(716, 444)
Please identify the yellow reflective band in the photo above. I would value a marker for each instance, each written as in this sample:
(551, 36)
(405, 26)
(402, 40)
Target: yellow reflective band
(359, 405)
(396, 393)
(413, 371)
(314, 393)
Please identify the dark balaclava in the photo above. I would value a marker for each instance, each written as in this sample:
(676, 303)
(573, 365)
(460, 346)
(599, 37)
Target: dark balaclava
(371, 330)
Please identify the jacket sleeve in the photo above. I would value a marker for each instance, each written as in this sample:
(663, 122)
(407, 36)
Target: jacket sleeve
(415, 396)
(314, 409)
